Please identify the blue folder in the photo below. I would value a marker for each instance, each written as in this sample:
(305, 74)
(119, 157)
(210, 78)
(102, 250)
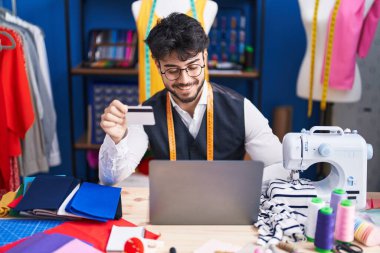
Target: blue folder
(96, 202)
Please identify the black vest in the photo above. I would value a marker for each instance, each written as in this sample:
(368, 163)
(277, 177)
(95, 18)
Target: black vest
(229, 129)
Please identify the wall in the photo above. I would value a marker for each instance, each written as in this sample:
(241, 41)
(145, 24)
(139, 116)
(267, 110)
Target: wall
(367, 111)
(283, 51)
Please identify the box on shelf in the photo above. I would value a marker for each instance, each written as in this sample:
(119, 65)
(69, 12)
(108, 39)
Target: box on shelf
(228, 40)
(100, 96)
(112, 48)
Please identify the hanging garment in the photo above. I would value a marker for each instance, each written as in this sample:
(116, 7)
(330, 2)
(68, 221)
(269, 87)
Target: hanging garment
(53, 152)
(351, 29)
(16, 111)
(34, 153)
(369, 29)
(155, 81)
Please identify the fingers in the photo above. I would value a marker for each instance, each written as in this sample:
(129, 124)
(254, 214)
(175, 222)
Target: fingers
(106, 124)
(114, 115)
(115, 112)
(119, 106)
(108, 116)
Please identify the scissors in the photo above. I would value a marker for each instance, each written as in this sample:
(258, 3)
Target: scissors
(347, 248)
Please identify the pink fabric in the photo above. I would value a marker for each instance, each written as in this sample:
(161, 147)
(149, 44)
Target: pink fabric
(369, 29)
(348, 24)
(76, 246)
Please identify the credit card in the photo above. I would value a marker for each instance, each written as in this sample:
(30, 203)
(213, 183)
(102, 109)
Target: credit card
(140, 115)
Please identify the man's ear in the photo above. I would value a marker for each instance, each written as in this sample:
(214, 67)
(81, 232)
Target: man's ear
(205, 55)
(157, 64)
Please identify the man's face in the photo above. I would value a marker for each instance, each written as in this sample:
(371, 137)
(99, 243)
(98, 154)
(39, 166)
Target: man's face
(185, 85)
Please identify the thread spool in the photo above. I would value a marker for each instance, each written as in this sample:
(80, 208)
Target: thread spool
(311, 223)
(324, 234)
(345, 221)
(366, 233)
(337, 196)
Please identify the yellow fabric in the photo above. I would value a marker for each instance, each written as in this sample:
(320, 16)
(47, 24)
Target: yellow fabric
(5, 201)
(142, 23)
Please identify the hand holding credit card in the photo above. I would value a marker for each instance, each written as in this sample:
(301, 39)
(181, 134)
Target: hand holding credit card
(140, 115)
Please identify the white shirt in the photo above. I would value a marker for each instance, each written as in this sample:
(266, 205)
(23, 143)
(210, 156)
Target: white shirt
(117, 162)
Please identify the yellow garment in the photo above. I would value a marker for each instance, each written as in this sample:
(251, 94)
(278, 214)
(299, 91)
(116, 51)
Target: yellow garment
(142, 23)
(5, 201)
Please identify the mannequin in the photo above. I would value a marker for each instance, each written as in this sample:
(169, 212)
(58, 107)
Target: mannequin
(165, 7)
(303, 83)
(150, 80)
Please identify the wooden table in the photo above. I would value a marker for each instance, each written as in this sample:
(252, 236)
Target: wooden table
(135, 202)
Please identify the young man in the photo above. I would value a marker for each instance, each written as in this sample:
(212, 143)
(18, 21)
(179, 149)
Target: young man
(185, 111)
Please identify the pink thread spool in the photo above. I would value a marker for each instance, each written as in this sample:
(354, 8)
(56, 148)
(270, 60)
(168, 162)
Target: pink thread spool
(345, 221)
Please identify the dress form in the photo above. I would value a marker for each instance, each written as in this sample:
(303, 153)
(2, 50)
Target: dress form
(303, 83)
(166, 7)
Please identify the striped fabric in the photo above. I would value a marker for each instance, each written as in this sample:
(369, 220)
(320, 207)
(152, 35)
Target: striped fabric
(283, 209)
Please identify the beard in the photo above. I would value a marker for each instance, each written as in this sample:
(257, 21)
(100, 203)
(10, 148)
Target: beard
(188, 99)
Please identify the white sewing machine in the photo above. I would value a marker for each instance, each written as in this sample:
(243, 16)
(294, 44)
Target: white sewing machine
(346, 150)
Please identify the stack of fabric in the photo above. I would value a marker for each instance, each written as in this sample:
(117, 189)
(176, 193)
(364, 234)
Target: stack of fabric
(69, 237)
(57, 243)
(283, 211)
(65, 198)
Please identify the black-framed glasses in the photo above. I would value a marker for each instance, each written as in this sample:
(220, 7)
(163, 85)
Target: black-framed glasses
(193, 70)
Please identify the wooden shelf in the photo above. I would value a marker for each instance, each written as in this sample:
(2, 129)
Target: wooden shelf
(82, 143)
(80, 70)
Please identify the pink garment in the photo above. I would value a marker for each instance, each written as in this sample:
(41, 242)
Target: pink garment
(348, 25)
(369, 29)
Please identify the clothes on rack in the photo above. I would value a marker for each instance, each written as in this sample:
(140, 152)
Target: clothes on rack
(16, 111)
(27, 103)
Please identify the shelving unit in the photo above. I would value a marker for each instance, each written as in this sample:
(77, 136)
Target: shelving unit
(253, 79)
(83, 71)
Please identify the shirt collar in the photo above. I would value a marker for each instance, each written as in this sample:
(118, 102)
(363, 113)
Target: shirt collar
(202, 100)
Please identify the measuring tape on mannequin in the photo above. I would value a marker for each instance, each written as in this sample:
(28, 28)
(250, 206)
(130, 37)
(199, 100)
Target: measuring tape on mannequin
(146, 47)
(209, 124)
(327, 66)
(313, 46)
(330, 42)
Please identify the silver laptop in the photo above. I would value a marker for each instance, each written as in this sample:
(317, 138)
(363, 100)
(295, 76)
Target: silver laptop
(204, 192)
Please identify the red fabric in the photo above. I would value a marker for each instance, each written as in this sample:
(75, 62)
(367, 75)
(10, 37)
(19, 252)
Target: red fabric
(15, 202)
(14, 181)
(16, 109)
(95, 233)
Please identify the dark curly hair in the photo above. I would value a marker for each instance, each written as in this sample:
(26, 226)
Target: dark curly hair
(179, 33)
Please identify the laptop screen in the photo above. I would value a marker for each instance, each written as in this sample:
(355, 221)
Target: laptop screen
(204, 192)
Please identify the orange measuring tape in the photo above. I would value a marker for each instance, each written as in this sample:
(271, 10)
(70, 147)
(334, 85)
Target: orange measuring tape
(209, 123)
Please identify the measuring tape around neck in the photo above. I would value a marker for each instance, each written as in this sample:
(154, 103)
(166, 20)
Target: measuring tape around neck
(146, 47)
(330, 42)
(209, 124)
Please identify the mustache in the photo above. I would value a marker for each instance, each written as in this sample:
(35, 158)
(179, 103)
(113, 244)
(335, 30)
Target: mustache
(179, 85)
